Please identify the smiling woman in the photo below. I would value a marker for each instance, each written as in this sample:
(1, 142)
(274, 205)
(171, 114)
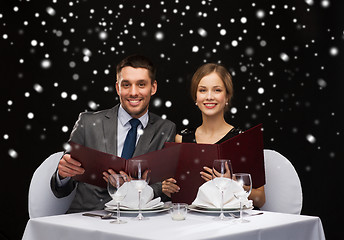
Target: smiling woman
(211, 95)
(212, 90)
(220, 77)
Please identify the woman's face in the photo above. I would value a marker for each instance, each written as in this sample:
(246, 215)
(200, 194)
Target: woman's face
(211, 95)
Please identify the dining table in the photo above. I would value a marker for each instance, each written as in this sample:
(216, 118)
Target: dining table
(159, 225)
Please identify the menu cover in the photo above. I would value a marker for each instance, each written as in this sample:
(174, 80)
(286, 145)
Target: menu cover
(162, 163)
(182, 161)
(244, 150)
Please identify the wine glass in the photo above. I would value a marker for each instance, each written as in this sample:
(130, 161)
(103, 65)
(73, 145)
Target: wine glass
(139, 174)
(245, 181)
(117, 190)
(222, 175)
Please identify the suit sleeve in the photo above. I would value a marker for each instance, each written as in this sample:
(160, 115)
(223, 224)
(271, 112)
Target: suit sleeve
(157, 190)
(172, 133)
(64, 190)
(77, 136)
(78, 133)
(157, 187)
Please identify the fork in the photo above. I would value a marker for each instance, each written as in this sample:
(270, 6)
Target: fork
(105, 216)
(253, 214)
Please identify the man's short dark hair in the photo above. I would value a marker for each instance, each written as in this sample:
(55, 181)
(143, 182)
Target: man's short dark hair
(137, 61)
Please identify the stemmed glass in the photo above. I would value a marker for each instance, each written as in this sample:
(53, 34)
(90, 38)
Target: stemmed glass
(117, 190)
(222, 175)
(139, 174)
(245, 181)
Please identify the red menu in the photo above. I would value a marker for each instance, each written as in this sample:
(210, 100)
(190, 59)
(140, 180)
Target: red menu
(182, 161)
(244, 150)
(162, 163)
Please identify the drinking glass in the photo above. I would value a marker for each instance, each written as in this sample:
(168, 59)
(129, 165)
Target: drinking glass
(245, 181)
(222, 175)
(117, 190)
(139, 174)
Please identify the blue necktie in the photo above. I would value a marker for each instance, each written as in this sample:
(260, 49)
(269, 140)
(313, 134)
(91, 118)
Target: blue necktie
(130, 140)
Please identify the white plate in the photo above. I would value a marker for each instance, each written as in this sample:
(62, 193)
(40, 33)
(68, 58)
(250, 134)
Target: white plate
(215, 210)
(145, 210)
(158, 206)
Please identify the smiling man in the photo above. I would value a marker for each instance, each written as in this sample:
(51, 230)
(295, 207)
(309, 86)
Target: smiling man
(135, 86)
(107, 131)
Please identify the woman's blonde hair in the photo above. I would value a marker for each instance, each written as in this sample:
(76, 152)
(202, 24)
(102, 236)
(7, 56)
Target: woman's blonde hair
(207, 69)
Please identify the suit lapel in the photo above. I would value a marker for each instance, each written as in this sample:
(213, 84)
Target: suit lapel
(145, 139)
(110, 130)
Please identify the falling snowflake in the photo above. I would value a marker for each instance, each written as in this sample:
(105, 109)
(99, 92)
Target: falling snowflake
(202, 32)
(195, 49)
(284, 57)
(310, 138)
(168, 104)
(185, 122)
(157, 102)
(30, 115)
(159, 36)
(38, 88)
(12, 153)
(46, 63)
(92, 105)
(334, 51)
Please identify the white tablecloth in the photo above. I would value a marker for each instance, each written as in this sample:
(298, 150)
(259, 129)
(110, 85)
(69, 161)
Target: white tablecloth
(160, 226)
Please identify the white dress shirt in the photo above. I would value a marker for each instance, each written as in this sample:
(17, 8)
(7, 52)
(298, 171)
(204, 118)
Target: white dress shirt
(123, 127)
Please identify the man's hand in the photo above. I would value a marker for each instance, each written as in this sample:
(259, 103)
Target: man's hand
(169, 186)
(109, 172)
(69, 167)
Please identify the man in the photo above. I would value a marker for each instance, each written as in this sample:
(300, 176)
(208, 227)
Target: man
(107, 130)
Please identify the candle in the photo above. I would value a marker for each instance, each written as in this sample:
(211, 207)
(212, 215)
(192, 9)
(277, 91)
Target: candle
(178, 216)
(178, 211)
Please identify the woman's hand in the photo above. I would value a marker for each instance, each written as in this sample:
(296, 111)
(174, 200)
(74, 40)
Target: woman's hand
(208, 173)
(169, 186)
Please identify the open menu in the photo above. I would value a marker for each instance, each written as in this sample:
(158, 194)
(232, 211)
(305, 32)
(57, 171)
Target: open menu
(182, 161)
(245, 151)
(162, 163)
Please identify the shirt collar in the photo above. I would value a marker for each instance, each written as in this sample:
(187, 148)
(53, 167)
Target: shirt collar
(125, 117)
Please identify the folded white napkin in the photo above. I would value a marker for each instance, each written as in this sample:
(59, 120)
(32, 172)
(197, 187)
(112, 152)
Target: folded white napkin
(131, 199)
(209, 196)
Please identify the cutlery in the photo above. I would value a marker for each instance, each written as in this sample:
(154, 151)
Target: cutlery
(253, 214)
(105, 216)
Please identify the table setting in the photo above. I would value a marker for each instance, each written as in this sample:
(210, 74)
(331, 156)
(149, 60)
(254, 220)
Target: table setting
(221, 210)
(130, 202)
(269, 225)
(221, 195)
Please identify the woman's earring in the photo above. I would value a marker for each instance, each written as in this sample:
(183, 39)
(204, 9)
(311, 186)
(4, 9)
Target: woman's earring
(226, 103)
(196, 103)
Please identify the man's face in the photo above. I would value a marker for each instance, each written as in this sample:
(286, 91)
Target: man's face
(134, 88)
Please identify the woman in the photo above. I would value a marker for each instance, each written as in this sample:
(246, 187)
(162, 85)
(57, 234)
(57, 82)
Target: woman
(212, 90)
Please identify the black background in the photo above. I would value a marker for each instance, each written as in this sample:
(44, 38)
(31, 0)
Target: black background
(287, 67)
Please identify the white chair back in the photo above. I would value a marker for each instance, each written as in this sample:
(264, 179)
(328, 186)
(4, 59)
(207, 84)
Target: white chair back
(42, 201)
(283, 192)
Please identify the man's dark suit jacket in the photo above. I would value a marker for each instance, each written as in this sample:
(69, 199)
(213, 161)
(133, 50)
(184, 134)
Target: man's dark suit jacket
(98, 130)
